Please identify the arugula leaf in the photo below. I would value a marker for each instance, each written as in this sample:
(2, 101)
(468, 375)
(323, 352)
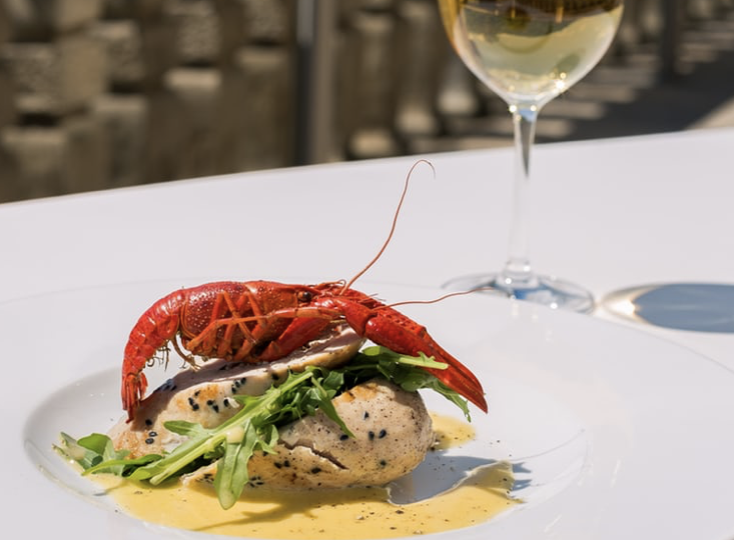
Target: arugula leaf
(96, 453)
(186, 429)
(399, 368)
(255, 426)
(232, 473)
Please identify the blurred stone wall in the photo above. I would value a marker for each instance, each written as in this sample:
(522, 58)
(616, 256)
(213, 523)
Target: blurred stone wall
(98, 94)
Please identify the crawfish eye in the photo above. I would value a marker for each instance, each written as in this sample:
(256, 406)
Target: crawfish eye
(304, 296)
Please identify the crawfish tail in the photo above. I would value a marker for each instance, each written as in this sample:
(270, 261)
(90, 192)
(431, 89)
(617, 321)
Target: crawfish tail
(156, 327)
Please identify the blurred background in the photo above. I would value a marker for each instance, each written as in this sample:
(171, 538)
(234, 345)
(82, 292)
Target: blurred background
(98, 94)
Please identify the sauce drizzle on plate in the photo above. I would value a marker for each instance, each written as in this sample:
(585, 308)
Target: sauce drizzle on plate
(340, 514)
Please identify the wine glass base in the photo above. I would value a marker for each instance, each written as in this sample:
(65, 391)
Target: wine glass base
(544, 290)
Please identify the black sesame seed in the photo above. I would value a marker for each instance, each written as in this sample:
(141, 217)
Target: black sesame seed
(315, 470)
(278, 465)
(225, 402)
(152, 434)
(382, 434)
(149, 441)
(343, 437)
(195, 406)
(286, 463)
(215, 408)
(383, 463)
(197, 392)
(365, 416)
(148, 422)
(243, 380)
(371, 435)
(210, 402)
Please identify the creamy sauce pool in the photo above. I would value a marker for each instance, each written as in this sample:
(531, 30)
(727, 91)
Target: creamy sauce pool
(339, 514)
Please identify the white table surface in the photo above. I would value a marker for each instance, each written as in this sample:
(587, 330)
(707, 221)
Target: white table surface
(608, 214)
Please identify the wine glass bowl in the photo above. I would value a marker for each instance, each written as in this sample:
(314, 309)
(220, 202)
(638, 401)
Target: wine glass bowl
(528, 52)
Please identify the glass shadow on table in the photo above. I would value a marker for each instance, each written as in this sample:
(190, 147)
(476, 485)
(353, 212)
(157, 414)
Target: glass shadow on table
(698, 307)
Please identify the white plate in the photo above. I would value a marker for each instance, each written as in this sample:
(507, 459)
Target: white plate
(613, 433)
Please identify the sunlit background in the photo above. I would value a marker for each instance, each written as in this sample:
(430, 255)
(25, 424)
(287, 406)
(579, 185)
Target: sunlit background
(97, 94)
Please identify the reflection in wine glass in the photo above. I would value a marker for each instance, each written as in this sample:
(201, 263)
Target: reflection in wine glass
(528, 52)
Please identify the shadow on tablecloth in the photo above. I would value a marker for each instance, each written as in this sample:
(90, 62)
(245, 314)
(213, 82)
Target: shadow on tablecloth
(698, 307)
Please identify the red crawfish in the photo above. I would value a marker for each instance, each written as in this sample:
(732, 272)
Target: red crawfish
(263, 321)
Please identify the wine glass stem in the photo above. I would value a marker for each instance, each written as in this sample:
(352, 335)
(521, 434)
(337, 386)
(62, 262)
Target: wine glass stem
(517, 271)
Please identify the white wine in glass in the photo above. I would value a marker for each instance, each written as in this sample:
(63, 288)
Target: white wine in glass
(528, 52)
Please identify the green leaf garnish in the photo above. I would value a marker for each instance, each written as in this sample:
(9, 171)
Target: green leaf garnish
(96, 453)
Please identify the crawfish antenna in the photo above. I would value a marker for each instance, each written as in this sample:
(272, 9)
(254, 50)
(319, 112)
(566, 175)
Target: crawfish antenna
(394, 224)
(440, 298)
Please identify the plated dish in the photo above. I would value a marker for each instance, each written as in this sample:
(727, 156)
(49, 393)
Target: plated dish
(610, 432)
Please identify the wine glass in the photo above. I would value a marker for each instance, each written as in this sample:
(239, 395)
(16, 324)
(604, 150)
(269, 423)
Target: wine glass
(528, 52)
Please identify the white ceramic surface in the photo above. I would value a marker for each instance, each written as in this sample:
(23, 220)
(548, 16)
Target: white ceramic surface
(612, 433)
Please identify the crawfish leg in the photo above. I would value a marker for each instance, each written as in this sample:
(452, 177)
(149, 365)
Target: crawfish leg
(298, 333)
(279, 336)
(188, 358)
(224, 313)
(307, 323)
(237, 321)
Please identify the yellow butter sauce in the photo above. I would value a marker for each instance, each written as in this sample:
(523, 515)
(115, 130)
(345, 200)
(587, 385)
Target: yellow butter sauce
(340, 514)
(450, 432)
